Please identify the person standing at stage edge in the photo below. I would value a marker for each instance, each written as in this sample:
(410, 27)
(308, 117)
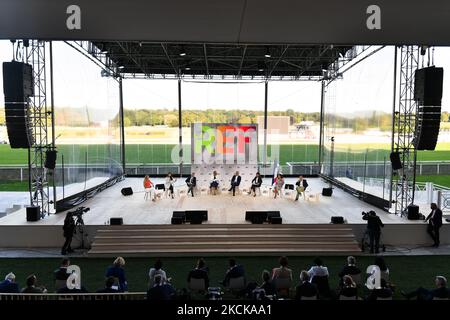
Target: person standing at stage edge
(434, 223)
(374, 226)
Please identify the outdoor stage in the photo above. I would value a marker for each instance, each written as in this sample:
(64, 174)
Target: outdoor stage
(224, 211)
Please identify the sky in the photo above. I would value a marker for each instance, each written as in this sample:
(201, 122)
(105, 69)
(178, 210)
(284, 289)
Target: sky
(368, 85)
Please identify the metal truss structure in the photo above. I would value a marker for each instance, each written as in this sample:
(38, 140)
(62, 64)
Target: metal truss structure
(40, 118)
(404, 130)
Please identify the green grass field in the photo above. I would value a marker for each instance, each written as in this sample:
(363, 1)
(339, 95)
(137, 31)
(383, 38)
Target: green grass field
(161, 153)
(407, 272)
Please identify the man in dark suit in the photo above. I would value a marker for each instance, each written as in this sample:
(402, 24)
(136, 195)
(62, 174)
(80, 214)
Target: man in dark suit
(160, 290)
(374, 226)
(305, 288)
(191, 183)
(441, 291)
(9, 285)
(434, 223)
(235, 182)
(200, 272)
(235, 271)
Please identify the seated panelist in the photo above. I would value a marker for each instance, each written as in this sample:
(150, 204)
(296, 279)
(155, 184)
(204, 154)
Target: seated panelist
(256, 183)
(214, 184)
(235, 182)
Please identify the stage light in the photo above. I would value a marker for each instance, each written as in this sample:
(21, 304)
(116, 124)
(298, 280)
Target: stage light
(121, 67)
(261, 66)
(188, 67)
(182, 52)
(267, 54)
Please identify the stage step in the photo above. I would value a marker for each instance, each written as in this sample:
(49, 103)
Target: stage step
(207, 239)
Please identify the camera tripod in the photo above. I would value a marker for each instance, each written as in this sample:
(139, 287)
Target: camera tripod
(80, 230)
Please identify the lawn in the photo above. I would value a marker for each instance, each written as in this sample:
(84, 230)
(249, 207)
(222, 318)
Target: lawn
(407, 272)
(442, 180)
(161, 153)
(13, 186)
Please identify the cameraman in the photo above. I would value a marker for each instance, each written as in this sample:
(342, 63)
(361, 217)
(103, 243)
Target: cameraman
(69, 229)
(374, 226)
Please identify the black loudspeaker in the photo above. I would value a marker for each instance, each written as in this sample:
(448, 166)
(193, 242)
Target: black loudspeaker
(395, 160)
(196, 215)
(177, 220)
(428, 121)
(127, 191)
(33, 213)
(272, 214)
(116, 221)
(337, 220)
(50, 159)
(18, 87)
(288, 186)
(256, 216)
(428, 86)
(160, 186)
(276, 220)
(327, 192)
(179, 214)
(413, 212)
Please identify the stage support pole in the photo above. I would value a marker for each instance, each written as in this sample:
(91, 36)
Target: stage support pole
(180, 128)
(52, 112)
(122, 125)
(393, 125)
(266, 92)
(322, 107)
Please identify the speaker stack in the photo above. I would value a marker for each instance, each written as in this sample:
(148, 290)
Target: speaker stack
(33, 213)
(18, 87)
(428, 95)
(396, 163)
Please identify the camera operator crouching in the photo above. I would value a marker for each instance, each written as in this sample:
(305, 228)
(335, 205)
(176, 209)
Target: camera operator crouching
(374, 225)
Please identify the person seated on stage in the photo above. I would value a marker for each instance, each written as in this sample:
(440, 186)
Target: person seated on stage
(234, 271)
(31, 286)
(111, 286)
(256, 183)
(348, 288)
(170, 181)
(305, 288)
(117, 271)
(350, 269)
(149, 187)
(441, 291)
(235, 182)
(157, 269)
(191, 183)
(278, 185)
(301, 184)
(384, 292)
(200, 272)
(9, 285)
(214, 184)
(160, 290)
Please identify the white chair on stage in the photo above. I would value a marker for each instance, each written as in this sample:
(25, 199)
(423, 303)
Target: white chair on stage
(148, 193)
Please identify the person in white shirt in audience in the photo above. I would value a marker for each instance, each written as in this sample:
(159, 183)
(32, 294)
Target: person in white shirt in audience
(318, 269)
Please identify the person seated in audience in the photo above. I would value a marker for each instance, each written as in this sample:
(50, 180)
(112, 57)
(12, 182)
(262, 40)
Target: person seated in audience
(9, 285)
(61, 272)
(301, 186)
(31, 286)
(256, 183)
(379, 261)
(305, 288)
(318, 269)
(199, 272)
(157, 269)
(278, 185)
(191, 182)
(441, 291)
(214, 184)
(350, 269)
(235, 182)
(72, 288)
(170, 181)
(267, 284)
(348, 287)
(149, 187)
(160, 290)
(282, 271)
(111, 286)
(384, 292)
(235, 271)
(117, 271)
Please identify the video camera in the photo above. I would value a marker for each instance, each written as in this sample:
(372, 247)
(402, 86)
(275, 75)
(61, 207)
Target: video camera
(369, 213)
(77, 213)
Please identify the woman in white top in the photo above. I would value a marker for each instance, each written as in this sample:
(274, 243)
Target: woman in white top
(170, 181)
(214, 185)
(157, 269)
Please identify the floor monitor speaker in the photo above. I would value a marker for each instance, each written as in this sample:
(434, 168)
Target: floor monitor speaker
(327, 192)
(337, 220)
(116, 221)
(127, 191)
(33, 213)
